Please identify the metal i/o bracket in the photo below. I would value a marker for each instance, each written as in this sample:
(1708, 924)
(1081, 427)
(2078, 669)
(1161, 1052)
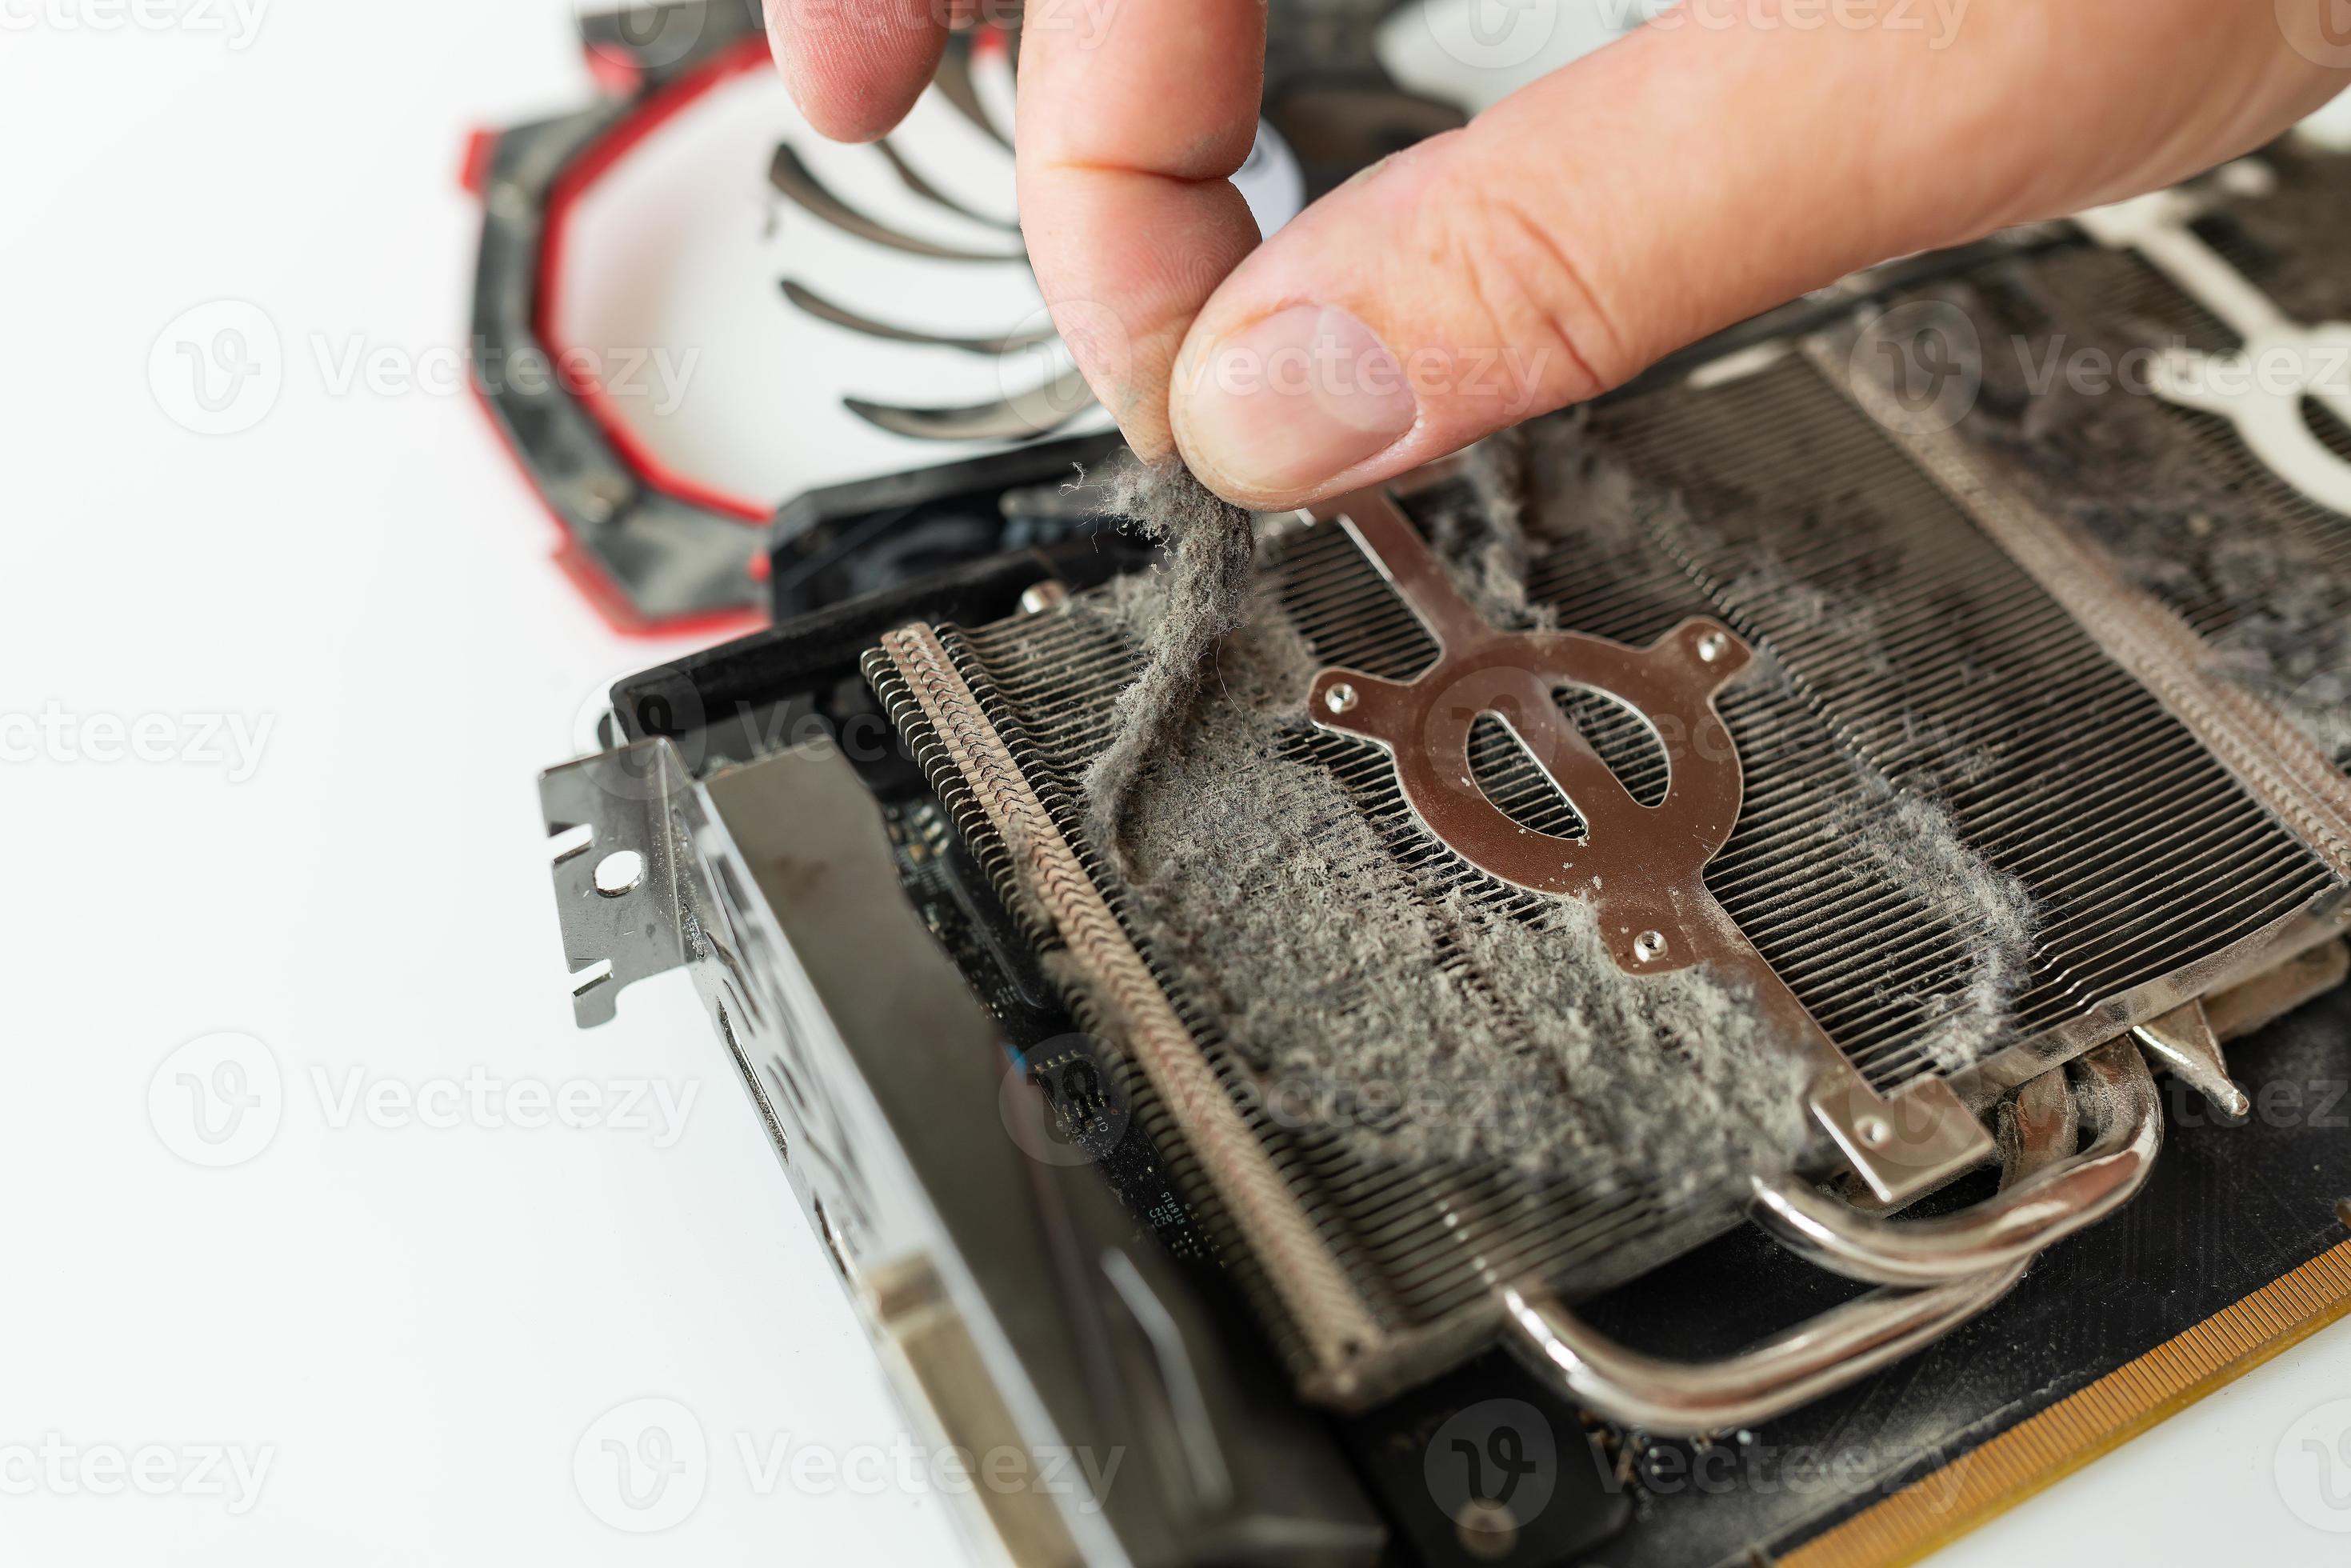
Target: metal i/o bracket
(617, 889)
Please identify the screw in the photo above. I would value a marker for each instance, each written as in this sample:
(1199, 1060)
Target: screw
(1342, 698)
(1043, 596)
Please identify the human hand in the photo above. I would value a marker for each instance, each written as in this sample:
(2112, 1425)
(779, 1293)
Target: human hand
(1679, 180)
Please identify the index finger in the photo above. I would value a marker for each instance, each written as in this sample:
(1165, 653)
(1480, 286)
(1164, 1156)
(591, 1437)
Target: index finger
(1133, 115)
(856, 67)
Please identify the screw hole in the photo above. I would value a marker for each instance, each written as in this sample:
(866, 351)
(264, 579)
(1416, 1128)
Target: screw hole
(1712, 646)
(621, 872)
(1649, 945)
(1872, 1132)
(1341, 698)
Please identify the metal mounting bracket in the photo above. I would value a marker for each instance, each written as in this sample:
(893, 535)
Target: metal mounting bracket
(2029, 1213)
(1640, 867)
(623, 919)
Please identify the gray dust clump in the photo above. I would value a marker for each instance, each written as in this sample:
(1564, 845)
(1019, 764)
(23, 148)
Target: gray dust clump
(1914, 840)
(1423, 1018)
(1423, 1024)
(2183, 513)
(1904, 827)
(1478, 529)
(1205, 599)
(1572, 488)
(2293, 240)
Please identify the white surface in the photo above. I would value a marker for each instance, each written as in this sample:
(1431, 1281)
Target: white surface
(418, 1326)
(416, 1329)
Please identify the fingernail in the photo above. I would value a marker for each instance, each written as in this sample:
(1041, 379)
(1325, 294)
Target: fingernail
(1291, 401)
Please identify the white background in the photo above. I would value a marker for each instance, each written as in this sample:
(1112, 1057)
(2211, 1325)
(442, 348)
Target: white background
(418, 1326)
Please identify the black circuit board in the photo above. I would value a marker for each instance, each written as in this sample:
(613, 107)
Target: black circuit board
(1054, 1059)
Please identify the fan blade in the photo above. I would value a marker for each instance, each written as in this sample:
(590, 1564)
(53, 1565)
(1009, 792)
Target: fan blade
(824, 309)
(1020, 417)
(793, 178)
(915, 181)
(955, 83)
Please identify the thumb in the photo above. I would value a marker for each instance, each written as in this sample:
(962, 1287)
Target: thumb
(1692, 174)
